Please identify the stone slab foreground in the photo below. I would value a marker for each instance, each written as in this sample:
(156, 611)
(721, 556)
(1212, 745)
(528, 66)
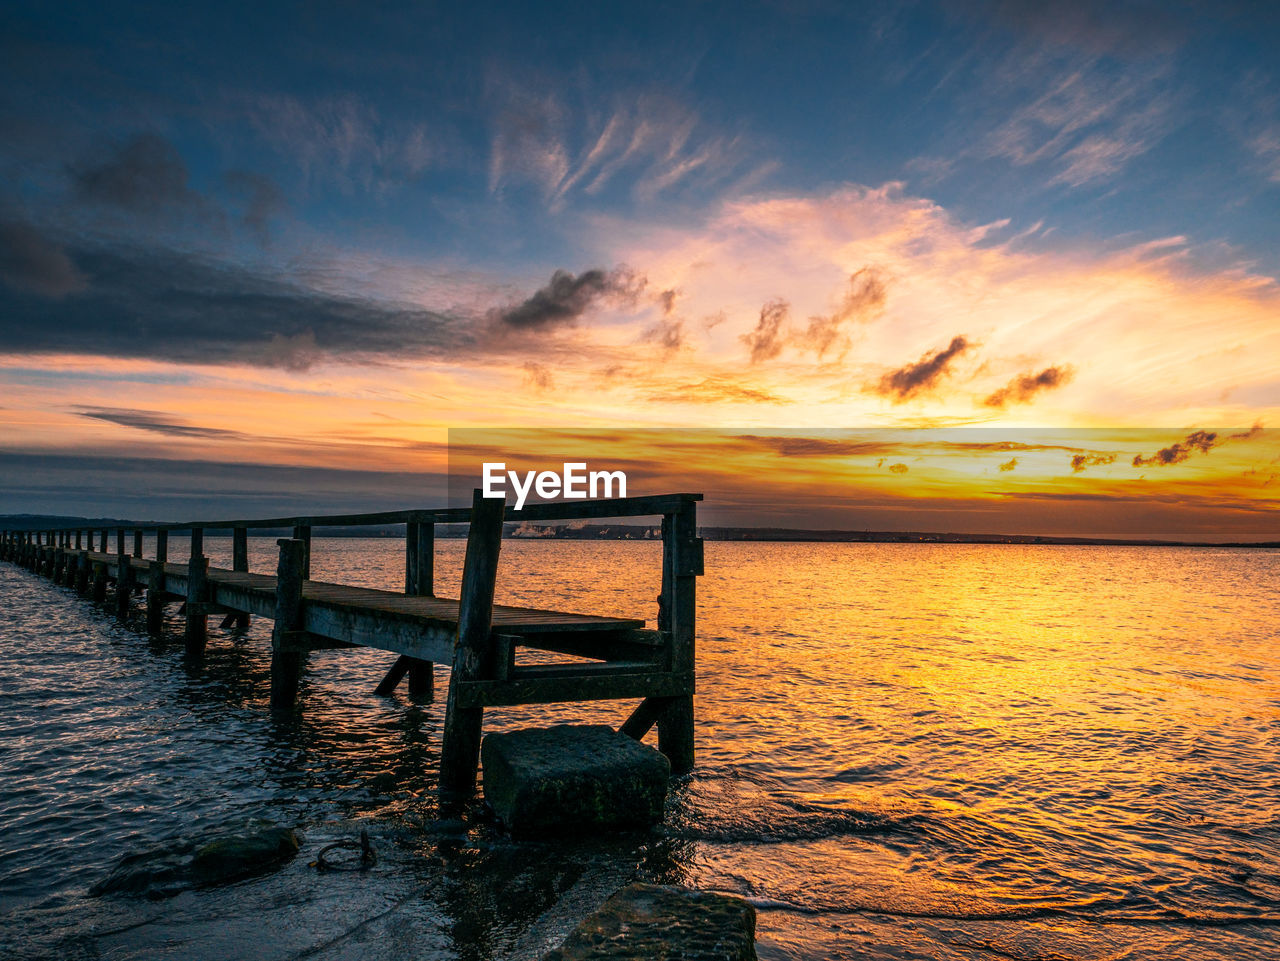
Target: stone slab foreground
(572, 778)
(657, 923)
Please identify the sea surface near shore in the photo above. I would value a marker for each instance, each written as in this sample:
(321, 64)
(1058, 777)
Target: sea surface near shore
(904, 750)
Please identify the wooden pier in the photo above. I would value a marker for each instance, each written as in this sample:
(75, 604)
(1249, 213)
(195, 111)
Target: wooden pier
(479, 639)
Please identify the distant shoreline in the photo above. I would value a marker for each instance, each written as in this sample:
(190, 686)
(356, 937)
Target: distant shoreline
(615, 532)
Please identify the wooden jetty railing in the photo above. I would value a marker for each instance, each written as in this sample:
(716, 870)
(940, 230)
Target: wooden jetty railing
(478, 638)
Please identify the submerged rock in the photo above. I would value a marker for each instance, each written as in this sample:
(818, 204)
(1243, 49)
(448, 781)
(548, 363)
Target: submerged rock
(649, 922)
(162, 872)
(572, 778)
(241, 855)
(155, 873)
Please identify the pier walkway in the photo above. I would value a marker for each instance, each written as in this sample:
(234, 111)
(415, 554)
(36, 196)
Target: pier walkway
(614, 657)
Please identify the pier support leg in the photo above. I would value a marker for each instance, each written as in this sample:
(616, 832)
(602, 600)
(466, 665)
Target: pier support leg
(422, 679)
(155, 599)
(239, 562)
(472, 654)
(681, 565)
(419, 581)
(99, 582)
(286, 650)
(196, 634)
(82, 573)
(387, 686)
(124, 586)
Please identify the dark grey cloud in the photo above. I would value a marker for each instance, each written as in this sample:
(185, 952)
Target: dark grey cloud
(31, 263)
(145, 174)
(667, 333)
(769, 337)
(156, 422)
(863, 297)
(566, 298)
(817, 446)
(261, 202)
(165, 305)
(538, 376)
(1199, 440)
(1023, 388)
(1080, 461)
(924, 375)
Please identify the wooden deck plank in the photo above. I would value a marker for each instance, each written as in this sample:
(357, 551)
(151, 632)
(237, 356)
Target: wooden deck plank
(435, 612)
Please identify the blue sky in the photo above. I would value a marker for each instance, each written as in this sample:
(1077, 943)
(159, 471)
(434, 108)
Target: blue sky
(467, 132)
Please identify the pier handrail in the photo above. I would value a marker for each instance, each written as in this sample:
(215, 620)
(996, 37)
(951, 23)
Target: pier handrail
(648, 506)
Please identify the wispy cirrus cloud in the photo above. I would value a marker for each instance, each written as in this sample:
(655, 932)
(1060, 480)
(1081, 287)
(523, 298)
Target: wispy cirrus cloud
(344, 140)
(157, 422)
(651, 144)
(1086, 124)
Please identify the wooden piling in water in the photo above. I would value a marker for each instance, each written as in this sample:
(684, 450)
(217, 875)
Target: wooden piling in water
(287, 637)
(460, 752)
(124, 582)
(419, 581)
(196, 633)
(155, 598)
(302, 532)
(239, 562)
(99, 582)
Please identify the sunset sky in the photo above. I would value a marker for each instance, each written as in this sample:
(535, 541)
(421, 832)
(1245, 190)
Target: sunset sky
(262, 258)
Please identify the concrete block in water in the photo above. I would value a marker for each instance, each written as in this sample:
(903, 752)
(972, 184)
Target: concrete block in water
(649, 921)
(572, 778)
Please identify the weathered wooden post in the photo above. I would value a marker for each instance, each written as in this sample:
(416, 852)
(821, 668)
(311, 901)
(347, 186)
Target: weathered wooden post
(239, 562)
(78, 547)
(472, 652)
(162, 545)
(137, 543)
(99, 582)
(155, 598)
(82, 573)
(419, 581)
(124, 579)
(288, 641)
(196, 633)
(302, 532)
(682, 563)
